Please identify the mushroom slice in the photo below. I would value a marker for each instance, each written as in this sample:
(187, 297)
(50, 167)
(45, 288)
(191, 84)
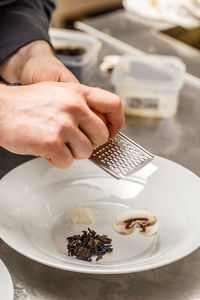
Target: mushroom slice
(128, 221)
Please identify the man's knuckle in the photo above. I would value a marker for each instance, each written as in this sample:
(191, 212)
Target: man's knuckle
(76, 87)
(75, 107)
(62, 127)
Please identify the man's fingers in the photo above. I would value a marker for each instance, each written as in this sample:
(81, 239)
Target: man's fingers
(60, 157)
(79, 144)
(108, 104)
(94, 128)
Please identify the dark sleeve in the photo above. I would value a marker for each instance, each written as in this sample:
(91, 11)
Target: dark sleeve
(23, 21)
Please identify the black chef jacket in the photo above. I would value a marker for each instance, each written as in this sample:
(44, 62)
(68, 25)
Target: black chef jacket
(22, 22)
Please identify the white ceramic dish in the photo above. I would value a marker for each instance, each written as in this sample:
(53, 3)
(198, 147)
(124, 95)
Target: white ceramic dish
(6, 284)
(35, 197)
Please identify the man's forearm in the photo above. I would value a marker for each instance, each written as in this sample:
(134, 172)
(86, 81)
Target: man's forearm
(11, 68)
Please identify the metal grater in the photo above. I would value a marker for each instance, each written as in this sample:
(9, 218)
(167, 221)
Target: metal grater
(121, 156)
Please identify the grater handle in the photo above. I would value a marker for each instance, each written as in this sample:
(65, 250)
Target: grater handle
(101, 116)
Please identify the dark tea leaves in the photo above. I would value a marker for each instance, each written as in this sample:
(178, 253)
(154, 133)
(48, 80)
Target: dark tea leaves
(89, 244)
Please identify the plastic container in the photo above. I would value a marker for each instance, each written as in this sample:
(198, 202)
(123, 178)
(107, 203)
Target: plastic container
(81, 63)
(149, 85)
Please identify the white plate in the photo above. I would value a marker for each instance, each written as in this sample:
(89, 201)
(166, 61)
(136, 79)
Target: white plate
(35, 197)
(6, 284)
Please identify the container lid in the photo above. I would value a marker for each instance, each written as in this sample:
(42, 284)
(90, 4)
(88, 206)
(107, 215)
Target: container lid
(157, 71)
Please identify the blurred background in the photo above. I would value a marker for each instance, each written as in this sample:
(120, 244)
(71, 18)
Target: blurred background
(70, 11)
(179, 19)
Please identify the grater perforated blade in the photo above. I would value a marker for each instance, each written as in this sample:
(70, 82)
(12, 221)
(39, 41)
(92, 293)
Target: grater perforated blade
(120, 156)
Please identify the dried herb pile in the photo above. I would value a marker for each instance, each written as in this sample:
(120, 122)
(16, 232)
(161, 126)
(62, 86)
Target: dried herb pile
(87, 244)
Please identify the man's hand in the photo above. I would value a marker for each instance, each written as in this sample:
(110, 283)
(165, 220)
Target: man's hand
(33, 63)
(53, 119)
(57, 120)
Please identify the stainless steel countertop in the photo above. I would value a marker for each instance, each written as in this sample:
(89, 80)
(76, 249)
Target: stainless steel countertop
(177, 139)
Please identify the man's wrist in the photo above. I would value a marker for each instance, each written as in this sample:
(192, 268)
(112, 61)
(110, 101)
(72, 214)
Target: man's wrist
(37, 48)
(11, 68)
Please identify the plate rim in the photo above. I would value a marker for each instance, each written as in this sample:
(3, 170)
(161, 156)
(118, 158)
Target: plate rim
(6, 273)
